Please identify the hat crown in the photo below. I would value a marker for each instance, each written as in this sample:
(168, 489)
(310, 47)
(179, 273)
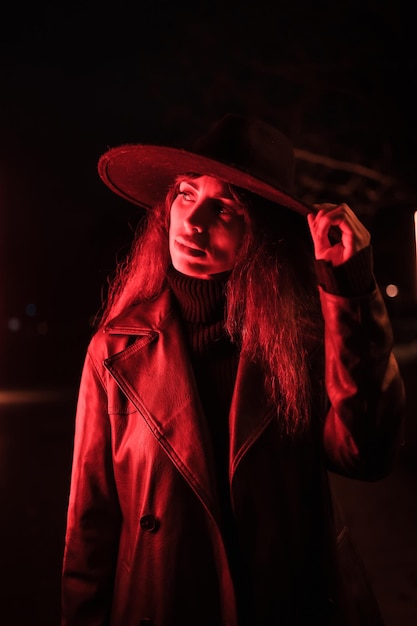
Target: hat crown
(242, 151)
(252, 146)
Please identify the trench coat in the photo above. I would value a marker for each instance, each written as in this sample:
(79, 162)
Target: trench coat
(144, 541)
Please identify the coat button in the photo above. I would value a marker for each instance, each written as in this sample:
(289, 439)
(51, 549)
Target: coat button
(148, 523)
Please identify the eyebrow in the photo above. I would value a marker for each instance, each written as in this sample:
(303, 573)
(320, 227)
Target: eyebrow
(189, 181)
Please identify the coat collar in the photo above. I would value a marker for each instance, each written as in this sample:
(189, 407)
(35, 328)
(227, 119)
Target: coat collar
(142, 317)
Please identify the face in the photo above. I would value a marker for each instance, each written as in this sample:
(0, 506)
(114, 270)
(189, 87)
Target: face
(206, 227)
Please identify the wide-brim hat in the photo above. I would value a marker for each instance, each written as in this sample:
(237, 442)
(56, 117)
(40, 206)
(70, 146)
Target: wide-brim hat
(245, 152)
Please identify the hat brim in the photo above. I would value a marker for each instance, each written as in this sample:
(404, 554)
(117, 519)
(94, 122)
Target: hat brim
(143, 174)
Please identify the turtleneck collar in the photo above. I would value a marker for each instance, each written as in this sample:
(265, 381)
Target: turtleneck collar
(200, 300)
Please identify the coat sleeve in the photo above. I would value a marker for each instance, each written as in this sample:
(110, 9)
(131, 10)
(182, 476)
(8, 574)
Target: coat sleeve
(93, 518)
(363, 427)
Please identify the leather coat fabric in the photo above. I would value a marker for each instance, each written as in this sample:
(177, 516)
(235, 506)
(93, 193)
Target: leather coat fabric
(144, 542)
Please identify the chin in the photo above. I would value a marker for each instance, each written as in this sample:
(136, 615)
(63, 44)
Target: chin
(188, 270)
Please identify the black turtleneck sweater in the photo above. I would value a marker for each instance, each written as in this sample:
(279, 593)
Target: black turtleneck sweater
(201, 304)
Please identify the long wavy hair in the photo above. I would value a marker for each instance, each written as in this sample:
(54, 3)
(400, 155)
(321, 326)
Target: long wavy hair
(272, 310)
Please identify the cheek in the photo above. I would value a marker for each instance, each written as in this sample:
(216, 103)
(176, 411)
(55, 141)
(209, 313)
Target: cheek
(231, 241)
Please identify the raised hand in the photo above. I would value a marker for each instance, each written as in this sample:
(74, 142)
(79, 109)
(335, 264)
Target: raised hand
(351, 234)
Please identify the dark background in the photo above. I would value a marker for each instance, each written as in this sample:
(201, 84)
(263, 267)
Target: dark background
(338, 77)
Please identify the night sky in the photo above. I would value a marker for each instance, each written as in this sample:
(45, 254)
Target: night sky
(339, 78)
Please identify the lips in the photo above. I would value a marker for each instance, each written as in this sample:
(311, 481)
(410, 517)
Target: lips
(188, 247)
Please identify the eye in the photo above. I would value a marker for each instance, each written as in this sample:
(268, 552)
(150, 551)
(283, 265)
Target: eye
(186, 195)
(226, 211)
(222, 209)
(186, 192)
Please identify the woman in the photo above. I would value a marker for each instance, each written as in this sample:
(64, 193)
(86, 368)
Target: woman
(244, 350)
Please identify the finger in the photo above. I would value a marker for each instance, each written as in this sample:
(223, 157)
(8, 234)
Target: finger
(354, 235)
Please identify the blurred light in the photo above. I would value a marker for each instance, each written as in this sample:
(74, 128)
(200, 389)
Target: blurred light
(415, 238)
(14, 324)
(31, 396)
(415, 228)
(31, 309)
(391, 291)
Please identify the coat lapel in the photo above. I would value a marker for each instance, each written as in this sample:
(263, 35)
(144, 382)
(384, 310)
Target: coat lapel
(156, 375)
(250, 412)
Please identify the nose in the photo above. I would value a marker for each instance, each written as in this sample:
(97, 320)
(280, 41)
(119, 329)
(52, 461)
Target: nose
(196, 218)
